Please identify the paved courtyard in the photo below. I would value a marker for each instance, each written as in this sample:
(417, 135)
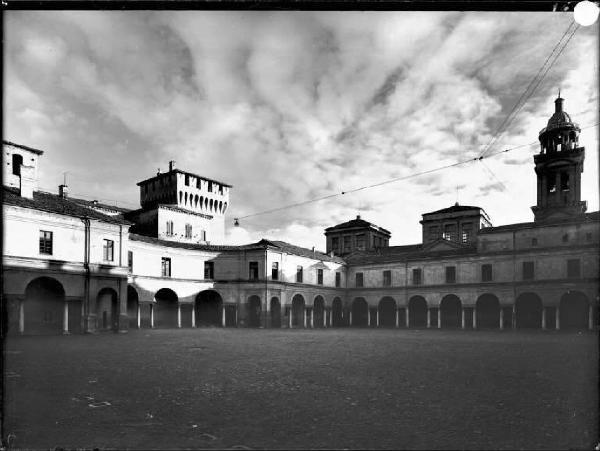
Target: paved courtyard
(336, 388)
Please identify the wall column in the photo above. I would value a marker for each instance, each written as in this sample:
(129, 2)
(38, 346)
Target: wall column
(235, 309)
(138, 314)
(66, 318)
(428, 317)
(178, 315)
(397, 317)
(304, 316)
(152, 315)
(350, 317)
(439, 317)
(513, 317)
(377, 317)
(324, 317)
(21, 316)
(462, 318)
(543, 318)
(312, 317)
(557, 317)
(193, 315)
(474, 318)
(223, 316)
(407, 318)
(290, 313)
(591, 317)
(501, 325)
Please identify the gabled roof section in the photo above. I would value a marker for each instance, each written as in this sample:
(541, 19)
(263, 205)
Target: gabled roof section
(441, 244)
(193, 246)
(302, 251)
(453, 209)
(587, 217)
(405, 253)
(357, 223)
(20, 146)
(53, 203)
(159, 176)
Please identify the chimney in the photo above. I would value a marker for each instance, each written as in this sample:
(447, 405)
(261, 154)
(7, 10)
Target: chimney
(171, 165)
(158, 172)
(357, 216)
(63, 191)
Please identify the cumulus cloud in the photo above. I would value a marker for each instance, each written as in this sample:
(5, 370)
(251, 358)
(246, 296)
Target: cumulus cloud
(294, 106)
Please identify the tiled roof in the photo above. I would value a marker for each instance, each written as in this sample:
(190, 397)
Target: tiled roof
(31, 149)
(592, 216)
(402, 253)
(356, 223)
(92, 203)
(55, 204)
(453, 209)
(303, 252)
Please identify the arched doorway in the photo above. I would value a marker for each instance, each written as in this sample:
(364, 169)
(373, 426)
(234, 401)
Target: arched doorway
(209, 308)
(319, 312)
(417, 311)
(488, 311)
(43, 308)
(165, 308)
(387, 312)
(574, 311)
(450, 309)
(528, 311)
(360, 312)
(133, 302)
(336, 313)
(254, 311)
(298, 311)
(275, 312)
(107, 310)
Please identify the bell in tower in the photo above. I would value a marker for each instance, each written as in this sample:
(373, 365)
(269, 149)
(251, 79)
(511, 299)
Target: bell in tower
(558, 167)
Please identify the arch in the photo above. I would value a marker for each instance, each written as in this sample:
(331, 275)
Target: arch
(298, 311)
(337, 319)
(574, 310)
(208, 308)
(275, 308)
(43, 307)
(201, 202)
(224, 207)
(133, 301)
(488, 311)
(318, 311)
(528, 311)
(211, 205)
(387, 312)
(254, 310)
(165, 313)
(196, 198)
(186, 198)
(206, 203)
(450, 311)
(107, 309)
(220, 207)
(417, 311)
(360, 312)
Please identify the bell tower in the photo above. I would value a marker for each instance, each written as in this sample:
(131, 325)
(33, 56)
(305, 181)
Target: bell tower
(558, 167)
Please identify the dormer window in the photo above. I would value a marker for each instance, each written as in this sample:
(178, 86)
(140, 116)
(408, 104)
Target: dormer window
(210, 187)
(187, 180)
(564, 181)
(17, 161)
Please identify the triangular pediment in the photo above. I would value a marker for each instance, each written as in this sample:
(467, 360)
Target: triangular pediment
(442, 245)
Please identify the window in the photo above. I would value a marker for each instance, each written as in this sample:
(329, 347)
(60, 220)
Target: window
(528, 272)
(338, 279)
(565, 238)
(450, 232)
(359, 279)
(108, 250)
(166, 267)
(573, 268)
(45, 242)
(434, 232)
(466, 232)
(209, 270)
(416, 276)
(275, 271)
(17, 161)
(486, 273)
(299, 270)
(187, 180)
(387, 278)
(534, 242)
(203, 235)
(564, 181)
(319, 276)
(335, 244)
(130, 260)
(169, 228)
(551, 182)
(253, 271)
(198, 184)
(188, 230)
(360, 242)
(347, 243)
(450, 274)
(210, 187)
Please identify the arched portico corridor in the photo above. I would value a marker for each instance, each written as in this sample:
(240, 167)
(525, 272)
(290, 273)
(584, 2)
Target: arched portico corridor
(133, 308)
(386, 312)
(275, 308)
(575, 312)
(528, 311)
(487, 310)
(360, 313)
(165, 309)
(254, 311)
(208, 309)
(337, 318)
(417, 312)
(298, 311)
(450, 312)
(42, 312)
(318, 319)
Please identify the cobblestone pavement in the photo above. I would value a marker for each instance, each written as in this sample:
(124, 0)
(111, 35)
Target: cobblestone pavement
(334, 388)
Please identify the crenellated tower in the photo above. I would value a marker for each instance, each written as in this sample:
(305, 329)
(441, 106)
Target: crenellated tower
(558, 167)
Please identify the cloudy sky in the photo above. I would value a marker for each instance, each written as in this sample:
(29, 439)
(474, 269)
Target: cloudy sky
(290, 106)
